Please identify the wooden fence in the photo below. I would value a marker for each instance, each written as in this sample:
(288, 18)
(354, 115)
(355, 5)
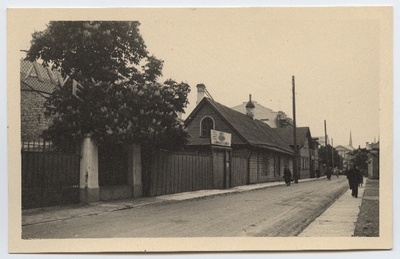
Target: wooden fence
(49, 177)
(174, 173)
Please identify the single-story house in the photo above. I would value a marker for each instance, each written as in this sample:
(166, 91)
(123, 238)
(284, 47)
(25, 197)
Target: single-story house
(254, 154)
(307, 149)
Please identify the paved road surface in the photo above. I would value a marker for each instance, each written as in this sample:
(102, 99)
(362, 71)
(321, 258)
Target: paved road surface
(274, 211)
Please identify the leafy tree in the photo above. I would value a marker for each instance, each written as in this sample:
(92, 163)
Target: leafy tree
(121, 100)
(325, 156)
(360, 159)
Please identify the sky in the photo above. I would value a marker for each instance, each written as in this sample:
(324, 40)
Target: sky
(334, 56)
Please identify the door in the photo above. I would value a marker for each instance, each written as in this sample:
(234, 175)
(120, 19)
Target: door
(221, 168)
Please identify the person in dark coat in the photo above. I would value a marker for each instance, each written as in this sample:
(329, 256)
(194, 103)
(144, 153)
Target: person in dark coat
(287, 175)
(354, 176)
(329, 173)
(318, 173)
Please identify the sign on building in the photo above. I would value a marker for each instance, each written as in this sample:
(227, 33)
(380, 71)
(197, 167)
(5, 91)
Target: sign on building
(220, 138)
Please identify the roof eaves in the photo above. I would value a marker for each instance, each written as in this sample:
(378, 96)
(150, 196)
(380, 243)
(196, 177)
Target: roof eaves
(275, 148)
(194, 112)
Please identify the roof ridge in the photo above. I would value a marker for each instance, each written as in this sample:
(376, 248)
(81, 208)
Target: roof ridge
(251, 136)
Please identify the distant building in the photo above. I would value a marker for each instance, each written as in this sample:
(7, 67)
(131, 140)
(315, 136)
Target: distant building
(321, 141)
(373, 160)
(307, 146)
(372, 146)
(274, 119)
(345, 151)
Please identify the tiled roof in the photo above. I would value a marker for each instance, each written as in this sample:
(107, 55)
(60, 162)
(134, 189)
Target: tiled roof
(39, 78)
(255, 132)
(287, 134)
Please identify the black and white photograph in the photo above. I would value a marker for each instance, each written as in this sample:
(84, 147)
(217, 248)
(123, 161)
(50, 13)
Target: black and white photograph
(200, 129)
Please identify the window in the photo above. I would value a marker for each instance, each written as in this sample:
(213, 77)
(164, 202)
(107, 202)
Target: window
(265, 163)
(277, 164)
(206, 125)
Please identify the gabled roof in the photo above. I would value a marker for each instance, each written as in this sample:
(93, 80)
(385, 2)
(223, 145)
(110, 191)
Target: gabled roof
(254, 132)
(34, 77)
(287, 135)
(349, 148)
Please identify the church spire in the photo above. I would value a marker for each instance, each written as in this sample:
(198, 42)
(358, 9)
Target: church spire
(350, 141)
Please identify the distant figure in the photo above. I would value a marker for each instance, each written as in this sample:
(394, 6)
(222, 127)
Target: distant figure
(329, 173)
(336, 172)
(318, 173)
(287, 175)
(354, 176)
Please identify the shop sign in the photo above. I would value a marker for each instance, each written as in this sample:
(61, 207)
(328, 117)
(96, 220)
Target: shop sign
(220, 138)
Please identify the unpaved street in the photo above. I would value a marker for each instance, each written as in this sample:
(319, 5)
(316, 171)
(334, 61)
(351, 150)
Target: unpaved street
(275, 211)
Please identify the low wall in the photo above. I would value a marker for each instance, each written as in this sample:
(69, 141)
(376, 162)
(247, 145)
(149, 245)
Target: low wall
(115, 192)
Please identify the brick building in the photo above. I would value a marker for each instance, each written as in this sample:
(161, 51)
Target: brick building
(37, 83)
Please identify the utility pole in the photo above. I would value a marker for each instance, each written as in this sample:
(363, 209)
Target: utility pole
(295, 166)
(333, 160)
(326, 148)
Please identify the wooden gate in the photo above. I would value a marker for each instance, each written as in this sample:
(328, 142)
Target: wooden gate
(113, 165)
(239, 171)
(222, 167)
(49, 177)
(219, 173)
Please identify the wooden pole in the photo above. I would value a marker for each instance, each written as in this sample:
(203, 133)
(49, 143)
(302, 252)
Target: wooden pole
(295, 166)
(333, 160)
(326, 148)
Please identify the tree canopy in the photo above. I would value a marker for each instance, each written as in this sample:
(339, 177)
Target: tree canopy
(121, 100)
(360, 159)
(325, 156)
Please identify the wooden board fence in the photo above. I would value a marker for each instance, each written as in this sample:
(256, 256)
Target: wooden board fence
(177, 172)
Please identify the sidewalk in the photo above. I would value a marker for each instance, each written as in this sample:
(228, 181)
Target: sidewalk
(49, 214)
(339, 220)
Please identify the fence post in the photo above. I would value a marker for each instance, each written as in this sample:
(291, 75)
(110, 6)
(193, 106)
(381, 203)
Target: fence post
(89, 172)
(135, 170)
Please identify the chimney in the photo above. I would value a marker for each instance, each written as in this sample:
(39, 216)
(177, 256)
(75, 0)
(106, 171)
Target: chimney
(200, 92)
(250, 108)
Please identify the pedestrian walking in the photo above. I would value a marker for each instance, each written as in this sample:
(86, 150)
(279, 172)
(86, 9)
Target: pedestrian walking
(329, 173)
(287, 175)
(318, 173)
(354, 176)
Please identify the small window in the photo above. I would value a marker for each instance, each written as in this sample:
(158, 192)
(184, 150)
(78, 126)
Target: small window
(265, 160)
(277, 163)
(207, 124)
